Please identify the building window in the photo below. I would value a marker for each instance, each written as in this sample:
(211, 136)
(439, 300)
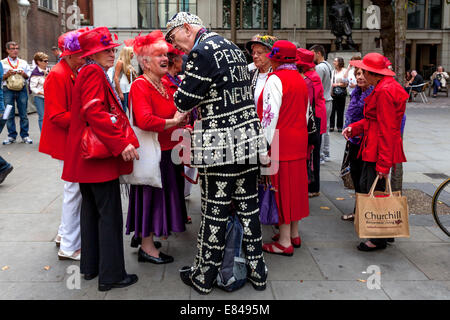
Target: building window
(416, 14)
(254, 14)
(314, 14)
(434, 14)
(425, 14)
(51, 5)
(154, 14)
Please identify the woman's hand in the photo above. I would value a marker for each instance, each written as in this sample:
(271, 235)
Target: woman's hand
(382, 175)
(121, 96)
(130, 153)
(347, 133)
(179, 117)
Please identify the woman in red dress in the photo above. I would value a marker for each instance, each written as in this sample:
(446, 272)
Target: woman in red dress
(282, 109)
(156, 211)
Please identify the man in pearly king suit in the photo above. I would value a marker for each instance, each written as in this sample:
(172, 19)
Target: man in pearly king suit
(226, 143)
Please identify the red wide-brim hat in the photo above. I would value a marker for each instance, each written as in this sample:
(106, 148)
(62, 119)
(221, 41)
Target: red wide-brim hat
(374, 62)
(96, 40)
(305, 58)
(68, 42)
(283, 51)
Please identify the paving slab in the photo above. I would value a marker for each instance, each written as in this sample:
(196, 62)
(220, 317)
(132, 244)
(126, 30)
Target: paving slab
(27, 260)
(152, 290)
(433, 259)
(28, 227)
(245, 293)
(325, 290)
(342, 261)
(417, 290)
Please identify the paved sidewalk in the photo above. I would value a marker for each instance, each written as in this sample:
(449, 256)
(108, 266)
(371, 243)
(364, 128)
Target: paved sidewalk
(327, 266)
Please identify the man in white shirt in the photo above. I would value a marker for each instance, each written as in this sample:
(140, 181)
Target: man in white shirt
(16, 74)
(324, 69)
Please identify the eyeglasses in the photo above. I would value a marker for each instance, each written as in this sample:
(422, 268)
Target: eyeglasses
(16, 48)
(172, 36)
(112, 50)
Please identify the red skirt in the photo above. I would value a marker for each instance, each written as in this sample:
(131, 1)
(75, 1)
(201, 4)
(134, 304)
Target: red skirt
(291, 181)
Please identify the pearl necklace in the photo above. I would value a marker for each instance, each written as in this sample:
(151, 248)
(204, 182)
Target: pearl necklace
(160, 88)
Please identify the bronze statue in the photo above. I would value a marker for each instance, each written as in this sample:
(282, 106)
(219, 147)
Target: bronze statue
(341, 21)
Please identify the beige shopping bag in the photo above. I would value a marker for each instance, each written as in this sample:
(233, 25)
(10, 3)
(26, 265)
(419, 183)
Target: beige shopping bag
(381, 214)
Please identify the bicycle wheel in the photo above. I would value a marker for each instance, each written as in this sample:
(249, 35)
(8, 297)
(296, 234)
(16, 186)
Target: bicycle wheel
(441, 206)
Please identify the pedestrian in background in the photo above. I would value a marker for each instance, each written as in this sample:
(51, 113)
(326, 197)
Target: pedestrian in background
(16, 72)
(324, 70)
(350, 75)
(156, 211)
(339, 94)
(381, 145)
(93, 103)
(57, 53)
(37, 79)
(5, 167)
(282, 109)
(124, 75)
(439, 80)
(58, 88)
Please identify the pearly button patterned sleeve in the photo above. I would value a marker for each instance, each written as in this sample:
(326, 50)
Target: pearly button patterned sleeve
(272, 97)
(197, 81)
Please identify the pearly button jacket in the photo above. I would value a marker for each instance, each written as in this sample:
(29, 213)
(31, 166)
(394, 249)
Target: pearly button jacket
(217, 83)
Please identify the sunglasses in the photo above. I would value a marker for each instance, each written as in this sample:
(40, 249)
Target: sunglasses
(46, 61)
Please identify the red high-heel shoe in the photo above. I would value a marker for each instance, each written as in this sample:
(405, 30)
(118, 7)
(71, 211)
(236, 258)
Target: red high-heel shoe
(296, 242)
(285, 251)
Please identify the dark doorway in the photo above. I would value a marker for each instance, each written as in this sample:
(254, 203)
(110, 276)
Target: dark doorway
(5, 26)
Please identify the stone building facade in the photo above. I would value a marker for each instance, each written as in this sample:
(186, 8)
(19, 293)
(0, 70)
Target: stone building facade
(304, 21)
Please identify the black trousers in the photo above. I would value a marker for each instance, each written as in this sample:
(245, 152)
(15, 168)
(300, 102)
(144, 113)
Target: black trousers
(356, 165)
(315, 185)
(337, 111)
(368, 176)
(102, 231)
(224, 190)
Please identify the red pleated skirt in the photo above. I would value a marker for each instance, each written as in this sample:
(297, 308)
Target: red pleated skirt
(291, 181)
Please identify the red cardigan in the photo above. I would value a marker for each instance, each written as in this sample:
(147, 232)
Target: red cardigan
(292, 132)
(151, 109)
(58, 88)
(92, 84)
(383, 113)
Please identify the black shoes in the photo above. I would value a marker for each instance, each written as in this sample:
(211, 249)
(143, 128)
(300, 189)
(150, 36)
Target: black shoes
(185, 273)
(5, 173)
(90, 276)
(135, 242)
(162, 259)
(331, 129)
(363, 247)
(128, 281)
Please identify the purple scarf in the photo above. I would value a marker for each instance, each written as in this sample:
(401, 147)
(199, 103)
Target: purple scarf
(355, 110)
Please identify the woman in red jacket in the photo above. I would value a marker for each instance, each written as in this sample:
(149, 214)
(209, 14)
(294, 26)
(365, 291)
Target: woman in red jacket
(306, 64)
(96, 104)
(382, 145)
(282, 110)
(156, 211)
(58, 88)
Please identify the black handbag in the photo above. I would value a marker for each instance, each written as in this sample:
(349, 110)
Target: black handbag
(339, 92)
(345, 168)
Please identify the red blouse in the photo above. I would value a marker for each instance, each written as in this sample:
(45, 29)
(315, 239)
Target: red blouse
(151, 109)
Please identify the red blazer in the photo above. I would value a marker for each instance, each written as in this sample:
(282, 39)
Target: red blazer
(383, 112)
(292, 132)
(321, 110)
(92, 84)
(58, 96)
